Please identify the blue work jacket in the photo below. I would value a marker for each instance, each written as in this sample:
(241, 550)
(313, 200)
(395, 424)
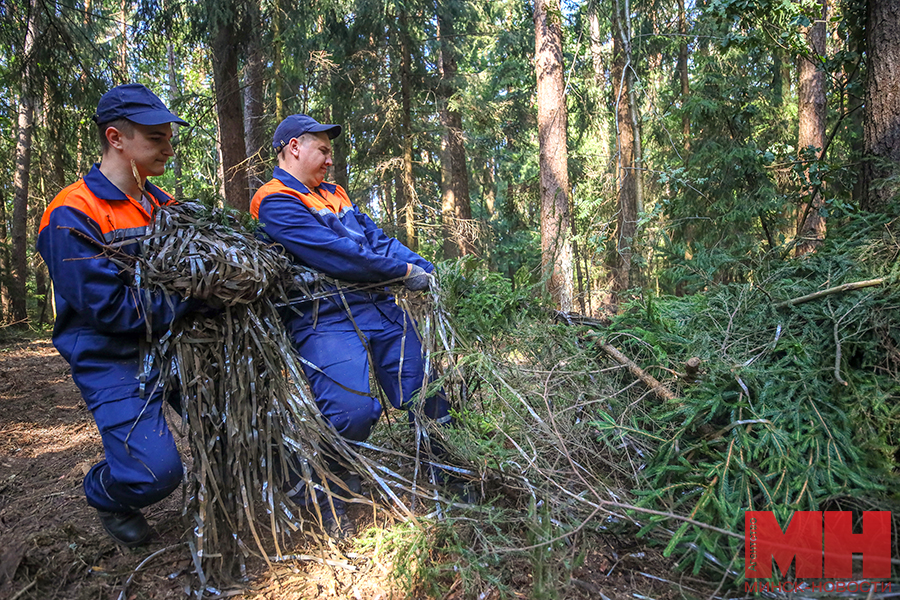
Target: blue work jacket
(322, 230)
(102, 318)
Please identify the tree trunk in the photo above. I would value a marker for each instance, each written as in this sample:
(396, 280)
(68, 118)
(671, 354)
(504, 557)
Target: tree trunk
(811, 109)
(254, 133)
(455, 202)
(230, 118)
(556, 245)
(387, 186)
(683, 75)
(406, 173)
(341, 88)
(175, 92)
(124, 9)
(882, 122)
(276, 62)
(488, 188)
(5, 264)
(628, 175)
(596, 45)
(18, 298)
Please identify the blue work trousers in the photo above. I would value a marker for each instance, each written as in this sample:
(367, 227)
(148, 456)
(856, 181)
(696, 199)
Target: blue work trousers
(142, 465)
(340, 378)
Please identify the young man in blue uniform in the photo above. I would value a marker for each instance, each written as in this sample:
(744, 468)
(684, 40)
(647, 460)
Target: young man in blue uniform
(102, 317)
(321, 229)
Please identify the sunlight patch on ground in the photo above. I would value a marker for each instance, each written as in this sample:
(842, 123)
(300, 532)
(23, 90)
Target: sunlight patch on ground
(29, 440)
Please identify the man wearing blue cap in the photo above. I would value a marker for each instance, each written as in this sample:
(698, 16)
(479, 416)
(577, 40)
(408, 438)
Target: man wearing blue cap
(321, 229)
(102, 318)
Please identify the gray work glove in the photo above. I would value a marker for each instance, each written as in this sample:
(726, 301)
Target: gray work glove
(417, 279)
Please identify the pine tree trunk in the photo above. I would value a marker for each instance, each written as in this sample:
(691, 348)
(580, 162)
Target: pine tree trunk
(230, 118)
(456, 205)
(683, 76)
(254, 132)
(556, 245)
(276, 62)
(18, 298)
(882, 119)
(124, 9)
(596, 45)
(627, 173)
(5, 264)
(406, 173)
(174, 92)
(488, 188)
(811, 109)
(340, 90)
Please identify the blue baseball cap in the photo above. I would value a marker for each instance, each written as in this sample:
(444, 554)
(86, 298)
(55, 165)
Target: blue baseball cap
(296, 125)
(136, 103)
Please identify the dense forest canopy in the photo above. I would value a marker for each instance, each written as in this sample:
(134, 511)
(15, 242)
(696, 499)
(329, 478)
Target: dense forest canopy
(597, 147)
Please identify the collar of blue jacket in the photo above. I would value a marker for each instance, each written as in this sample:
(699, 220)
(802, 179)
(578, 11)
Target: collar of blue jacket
(294, 183)
(104, 189)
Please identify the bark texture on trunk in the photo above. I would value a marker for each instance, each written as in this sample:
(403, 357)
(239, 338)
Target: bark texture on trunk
(341, 149)
(683, 76)
(5, 265)
(811, 109)
(276, 61)
(882, 119)
(456, 209)
(230, 118)
(407, 187)
(174, 92)
(21, 179)
(628, 200)
(254, 131)
(556, 244)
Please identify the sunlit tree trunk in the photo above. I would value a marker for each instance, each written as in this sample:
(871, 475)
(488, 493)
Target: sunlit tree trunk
(21, 179)
(683, 76)
(230, 118)
(556, 244)
(5, 262)
(407, 189)
(811, 109)
(456, 209)
(276, 61)
(628, 143)
(489, 188)
(882, 119)
(254, 132)
(174, 92)
(124, 10)
(341, 146)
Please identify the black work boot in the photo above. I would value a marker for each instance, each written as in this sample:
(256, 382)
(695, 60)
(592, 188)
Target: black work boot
(129, 528)
(337, 525)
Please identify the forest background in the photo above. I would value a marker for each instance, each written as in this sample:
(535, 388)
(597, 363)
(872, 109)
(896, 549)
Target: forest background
(623, 145)
(668, 176)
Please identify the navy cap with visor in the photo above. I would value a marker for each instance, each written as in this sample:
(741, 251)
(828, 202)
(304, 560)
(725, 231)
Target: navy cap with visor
(296, 125)
(136, 103)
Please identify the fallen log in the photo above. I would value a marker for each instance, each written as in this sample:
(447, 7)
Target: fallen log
(651, 382)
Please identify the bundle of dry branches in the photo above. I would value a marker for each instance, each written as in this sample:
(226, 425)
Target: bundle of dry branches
(254, 428)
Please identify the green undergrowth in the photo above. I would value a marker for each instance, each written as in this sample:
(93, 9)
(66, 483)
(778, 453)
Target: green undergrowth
(795, 408)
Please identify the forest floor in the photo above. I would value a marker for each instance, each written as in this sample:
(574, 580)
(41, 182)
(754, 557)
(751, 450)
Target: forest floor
(52, 546)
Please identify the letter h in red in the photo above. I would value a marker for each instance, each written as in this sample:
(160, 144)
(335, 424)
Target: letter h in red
(874, 544)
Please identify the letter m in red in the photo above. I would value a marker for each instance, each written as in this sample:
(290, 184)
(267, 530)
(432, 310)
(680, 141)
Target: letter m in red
(801, 541)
